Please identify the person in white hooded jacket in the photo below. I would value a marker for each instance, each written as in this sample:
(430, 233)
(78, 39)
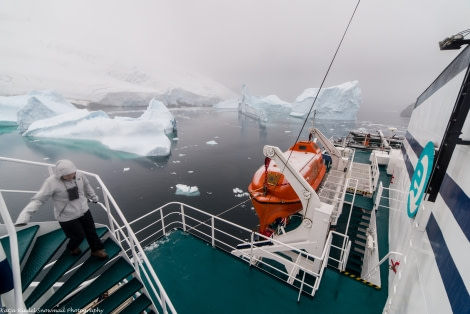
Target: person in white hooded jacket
(70, 191)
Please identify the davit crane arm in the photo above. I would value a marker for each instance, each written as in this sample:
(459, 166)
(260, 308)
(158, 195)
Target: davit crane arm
(338, 161)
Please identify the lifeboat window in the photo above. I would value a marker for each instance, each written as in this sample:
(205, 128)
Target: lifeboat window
(303, 147)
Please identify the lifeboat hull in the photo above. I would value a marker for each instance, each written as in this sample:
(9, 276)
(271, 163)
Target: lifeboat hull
(271, 194)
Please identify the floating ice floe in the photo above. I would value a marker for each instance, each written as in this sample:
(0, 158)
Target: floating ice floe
(182, 189)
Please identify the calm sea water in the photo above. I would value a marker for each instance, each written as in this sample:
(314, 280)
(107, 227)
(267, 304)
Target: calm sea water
(140, 184)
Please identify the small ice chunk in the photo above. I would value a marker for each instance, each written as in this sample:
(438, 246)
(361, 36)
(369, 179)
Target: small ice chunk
(237, 190)
(211, 142)
(182, 189)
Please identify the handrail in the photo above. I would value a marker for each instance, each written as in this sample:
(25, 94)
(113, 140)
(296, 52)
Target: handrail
(138, 254)
(212, 228)
(15, 257)
(373, 269)
(209, 221)
(124, 233)
(375, 171)
(222, 220)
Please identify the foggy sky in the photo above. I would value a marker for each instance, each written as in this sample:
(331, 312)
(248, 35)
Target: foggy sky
(276, 47)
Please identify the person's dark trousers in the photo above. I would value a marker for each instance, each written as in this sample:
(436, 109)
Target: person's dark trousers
(78, 229)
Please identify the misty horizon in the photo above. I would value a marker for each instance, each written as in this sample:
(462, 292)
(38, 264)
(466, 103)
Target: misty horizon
(281, 49)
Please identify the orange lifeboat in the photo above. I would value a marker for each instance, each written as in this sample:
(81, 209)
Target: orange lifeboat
(271, 194)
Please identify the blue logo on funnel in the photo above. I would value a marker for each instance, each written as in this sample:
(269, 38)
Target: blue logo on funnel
(420, 179)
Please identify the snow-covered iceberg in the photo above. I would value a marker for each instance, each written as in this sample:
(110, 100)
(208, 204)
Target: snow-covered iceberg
(9, 107)
(144, 136)
(339, 102)
(158, 111)
(21, 110)
(260, 107)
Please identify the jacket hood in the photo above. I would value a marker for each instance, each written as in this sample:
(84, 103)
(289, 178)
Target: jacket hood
(64, 167)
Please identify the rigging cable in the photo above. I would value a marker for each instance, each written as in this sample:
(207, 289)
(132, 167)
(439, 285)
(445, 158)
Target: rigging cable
(189, 228)
(311, 107)
(328, 70)
(323, 81)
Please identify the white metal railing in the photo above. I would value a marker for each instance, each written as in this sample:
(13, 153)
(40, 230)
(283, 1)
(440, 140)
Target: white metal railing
(120, 230)
(395, 201)
(210, 228)
(374, 172)
(213, 229)
(15, 258)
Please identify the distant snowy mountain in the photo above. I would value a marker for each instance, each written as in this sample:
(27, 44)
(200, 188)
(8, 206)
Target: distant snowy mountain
(91, 77)
(33, 59)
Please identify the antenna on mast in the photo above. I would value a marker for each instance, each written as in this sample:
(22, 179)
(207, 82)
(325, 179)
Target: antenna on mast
(455, 42)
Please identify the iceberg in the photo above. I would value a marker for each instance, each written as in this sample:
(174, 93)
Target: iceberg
(260, 107)
(158, 111)
(48, 116)
(339, 102)
(232, 103)
(21, 110)
(9, 107)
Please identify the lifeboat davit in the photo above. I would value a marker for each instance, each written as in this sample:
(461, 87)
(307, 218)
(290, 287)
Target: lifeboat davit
(272, 196)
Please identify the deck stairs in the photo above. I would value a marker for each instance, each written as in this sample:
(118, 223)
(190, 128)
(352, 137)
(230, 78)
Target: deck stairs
(52, 279)
(357, 232)
(361, 172)
(331, 191)
(350, 192)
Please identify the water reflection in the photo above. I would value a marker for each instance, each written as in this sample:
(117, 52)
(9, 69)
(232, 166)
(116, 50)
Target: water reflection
(140, 184)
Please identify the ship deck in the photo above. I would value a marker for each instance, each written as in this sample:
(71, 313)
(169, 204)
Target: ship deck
(202, 279)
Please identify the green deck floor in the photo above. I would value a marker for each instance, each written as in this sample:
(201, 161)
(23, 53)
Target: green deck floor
(201, 279)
